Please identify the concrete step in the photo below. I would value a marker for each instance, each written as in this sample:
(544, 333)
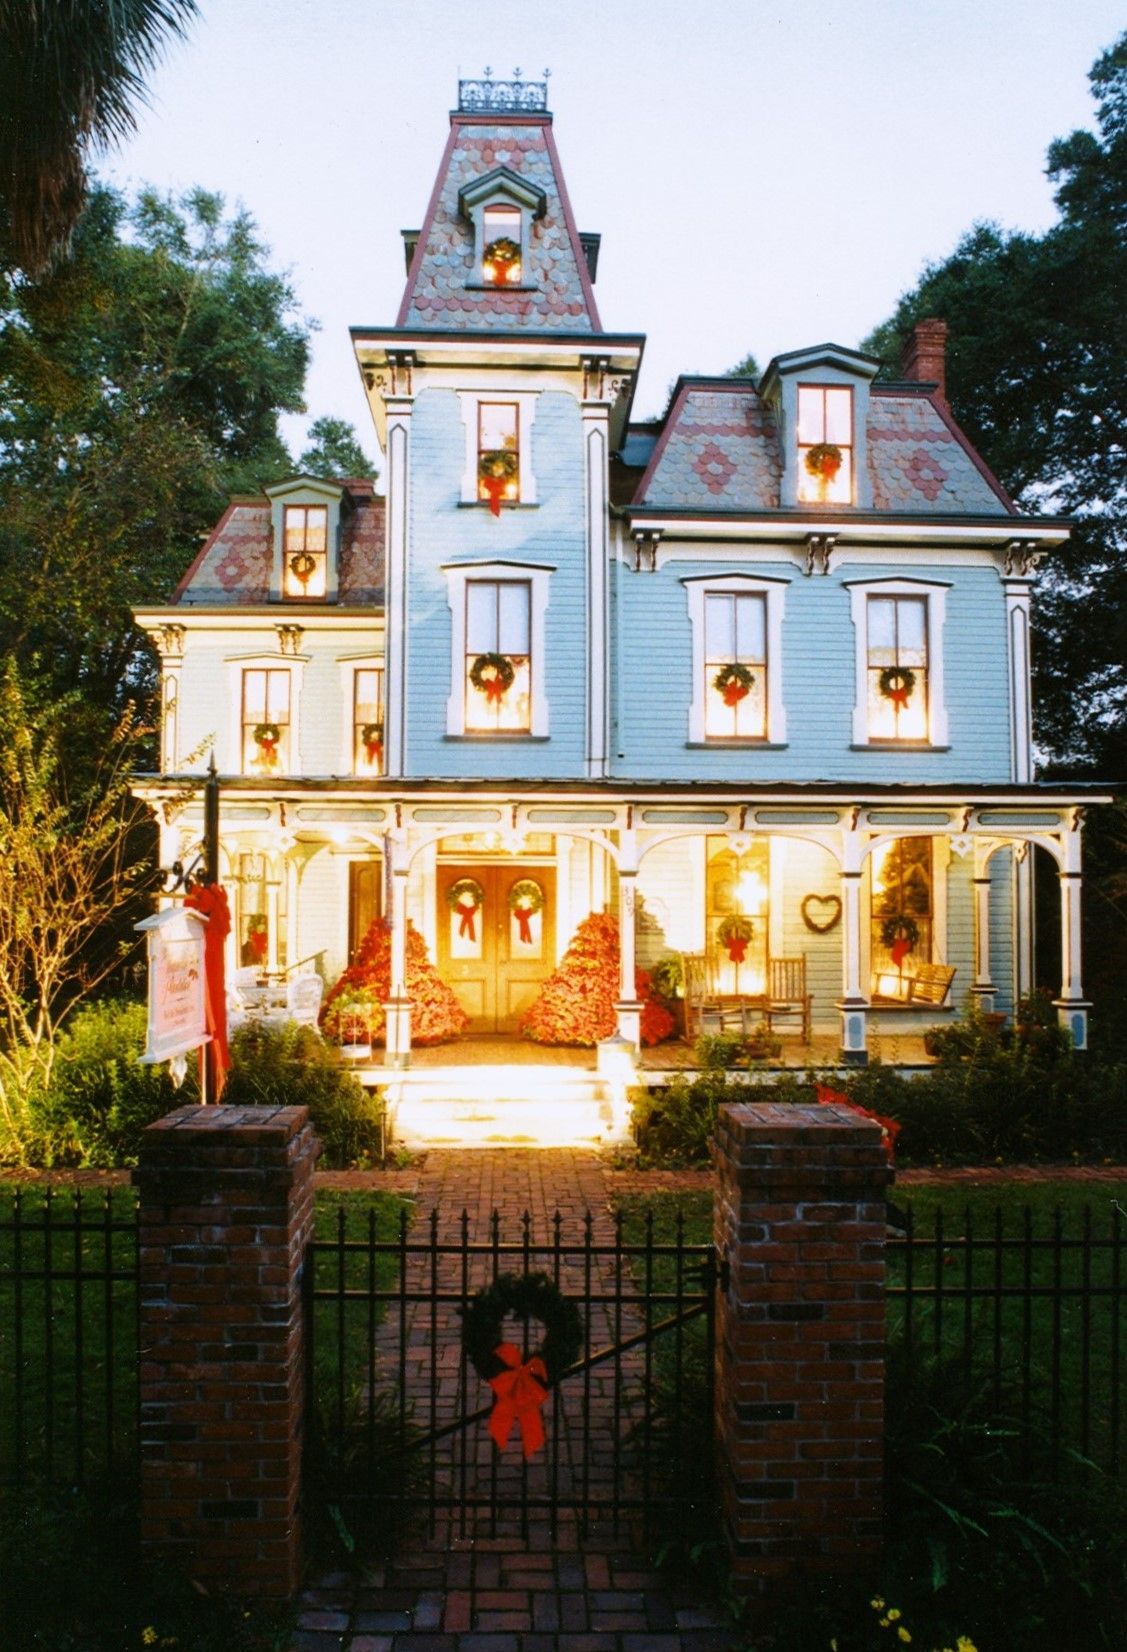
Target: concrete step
(521, 1106)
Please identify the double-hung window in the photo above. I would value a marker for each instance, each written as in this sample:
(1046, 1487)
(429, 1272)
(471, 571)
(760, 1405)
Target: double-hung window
(305, 552)
(902, 914)
(265, 721)
(897, 668)
(825, 444)
(501, 262)
(367, 720)
(735, 665)
(498, 656)
(498, 453)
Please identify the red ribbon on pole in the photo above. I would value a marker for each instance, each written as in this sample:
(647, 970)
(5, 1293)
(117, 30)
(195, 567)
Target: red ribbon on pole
(523, 915)
(465, 911)
(210, 901)
(518, 1394)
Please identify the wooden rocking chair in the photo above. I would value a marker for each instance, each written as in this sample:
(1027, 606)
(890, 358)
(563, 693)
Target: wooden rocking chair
(787, 996)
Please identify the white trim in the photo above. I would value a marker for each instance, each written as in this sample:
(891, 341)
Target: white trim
(935, 593)
(238, 663)
(1018, 623)
(849, 528)
(170, 697)
(774, 593)
(458, 574)
(596, 448)
(526, 400)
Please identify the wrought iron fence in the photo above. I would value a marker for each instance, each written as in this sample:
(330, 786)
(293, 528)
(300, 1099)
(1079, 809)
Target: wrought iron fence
(399, 1428)
(1021, 1318)
(68, 1335)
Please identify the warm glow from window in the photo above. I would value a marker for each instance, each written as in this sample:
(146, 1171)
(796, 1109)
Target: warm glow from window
(498, 452)
(751, 892)
(897, 668)
(735, 651)
(501, 246)
(901, 909)
(305, 553)
(266, 722)
(367, 721)
(498, 656)
(825, 444)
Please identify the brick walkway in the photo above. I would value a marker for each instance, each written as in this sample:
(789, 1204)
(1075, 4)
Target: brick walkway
(535, 1593)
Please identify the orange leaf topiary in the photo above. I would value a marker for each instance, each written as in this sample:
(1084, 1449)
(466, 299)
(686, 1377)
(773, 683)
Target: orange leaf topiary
(576, 1003)
(436, 1014)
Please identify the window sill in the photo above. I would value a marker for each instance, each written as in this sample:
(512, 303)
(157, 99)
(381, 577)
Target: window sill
(477, 736)
(502, 287)
(506, 505)
(751, 743)
(899, 1005)
(896, 745)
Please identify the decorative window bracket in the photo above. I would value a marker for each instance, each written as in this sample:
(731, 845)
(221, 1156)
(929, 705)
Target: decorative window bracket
(819, 550)
(646, 542)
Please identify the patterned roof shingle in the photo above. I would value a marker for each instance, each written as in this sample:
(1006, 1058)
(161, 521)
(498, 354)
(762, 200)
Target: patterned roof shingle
(235, 565)
(559, 298)
(917, 462)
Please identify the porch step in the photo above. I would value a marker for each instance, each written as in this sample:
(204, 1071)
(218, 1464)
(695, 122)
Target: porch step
(525, 1106)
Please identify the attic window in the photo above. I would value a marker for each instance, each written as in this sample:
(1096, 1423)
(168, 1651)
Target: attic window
(825, 444)
(501, 238)
(306, 533)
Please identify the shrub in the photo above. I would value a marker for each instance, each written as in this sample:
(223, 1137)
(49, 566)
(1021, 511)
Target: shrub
(674, 1125)
(291, 1066)
(436, 1014)
(576, 1003)
(101, 1097)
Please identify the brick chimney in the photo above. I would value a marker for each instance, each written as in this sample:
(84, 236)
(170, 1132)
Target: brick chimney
(925, 353)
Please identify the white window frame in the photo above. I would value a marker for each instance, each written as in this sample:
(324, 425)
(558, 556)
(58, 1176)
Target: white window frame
(940, 872)
(774, 591)
(349, 666)
(538, 576)
(236, 665)
(526, 401)
(934, 593)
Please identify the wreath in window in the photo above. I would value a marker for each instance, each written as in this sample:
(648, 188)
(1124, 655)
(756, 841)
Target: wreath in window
(303, 567)
(897, 683)
(371, 738)
(465, 898)
(495, 470)
(501, 260)
(525, 898)
(520, 1385)
(267, 737)
(492, 675)
(735, 682)
(824, 460)
(899, 936)
(735, 933)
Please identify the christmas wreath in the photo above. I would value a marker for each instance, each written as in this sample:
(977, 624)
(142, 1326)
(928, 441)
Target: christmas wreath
(495, 470)
(502, 254)
(734, 682)
(735, 933)
(824, 460)
(899, 936)
(520, 1385)
(492, 675)
(464, 898)
(371, 738)
(525, 898)
(267, 737)
(303, 566)
(897, 683)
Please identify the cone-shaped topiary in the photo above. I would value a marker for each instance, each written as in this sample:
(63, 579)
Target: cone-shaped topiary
(576, 1003)
(436, 1014)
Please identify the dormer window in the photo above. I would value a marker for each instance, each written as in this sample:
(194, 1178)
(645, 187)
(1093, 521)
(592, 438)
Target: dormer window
(305, 560)
(501, 263)
(498, 453)
(825, 444)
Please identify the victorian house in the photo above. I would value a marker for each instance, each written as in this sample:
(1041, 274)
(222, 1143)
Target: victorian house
(755, 672)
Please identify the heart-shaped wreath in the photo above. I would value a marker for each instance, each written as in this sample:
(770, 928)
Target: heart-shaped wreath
(521, 1382)
(831, 907)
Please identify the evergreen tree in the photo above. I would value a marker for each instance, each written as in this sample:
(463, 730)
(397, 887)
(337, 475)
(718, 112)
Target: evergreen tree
(335, 451)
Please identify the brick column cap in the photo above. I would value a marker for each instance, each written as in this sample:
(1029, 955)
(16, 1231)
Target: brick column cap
(777, 1144)
(235, 1139)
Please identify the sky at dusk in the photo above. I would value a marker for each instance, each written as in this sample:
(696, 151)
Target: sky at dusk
(764, 175)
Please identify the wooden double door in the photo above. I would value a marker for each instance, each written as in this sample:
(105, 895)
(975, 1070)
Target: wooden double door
(496, 938)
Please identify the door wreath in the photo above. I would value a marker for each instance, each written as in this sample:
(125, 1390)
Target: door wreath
(520, 1384)
(465, 898)
(525, 898)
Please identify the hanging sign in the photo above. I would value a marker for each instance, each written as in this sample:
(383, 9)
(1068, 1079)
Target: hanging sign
(177, 1014)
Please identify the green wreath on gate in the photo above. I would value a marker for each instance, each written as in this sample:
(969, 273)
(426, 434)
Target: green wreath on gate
(526, 1296)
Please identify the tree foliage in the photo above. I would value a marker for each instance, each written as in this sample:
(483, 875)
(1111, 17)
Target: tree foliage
(1037, 376)
(436, 1015)
(576, 1003)
(71, 74)
(140, 384)
(335, 451)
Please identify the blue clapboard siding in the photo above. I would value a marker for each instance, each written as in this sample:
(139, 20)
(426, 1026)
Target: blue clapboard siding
(819, 643)
(444, 530)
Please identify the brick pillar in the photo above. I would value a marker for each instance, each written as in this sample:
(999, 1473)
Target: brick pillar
(226, 1209)
(800, 1215)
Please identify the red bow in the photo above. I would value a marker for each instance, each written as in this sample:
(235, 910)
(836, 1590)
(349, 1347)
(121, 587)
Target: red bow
(518, 1394)
(495, 488)
(737, 949)
(373, 750)
(465, 911)
(898, 696)
(493, 686)
(210, 901)
(889, 1128)
(900, 949)
(524, 920)
(734, 693)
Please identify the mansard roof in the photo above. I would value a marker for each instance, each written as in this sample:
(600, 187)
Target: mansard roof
(721, 450)
(234, 565)
(557, 294)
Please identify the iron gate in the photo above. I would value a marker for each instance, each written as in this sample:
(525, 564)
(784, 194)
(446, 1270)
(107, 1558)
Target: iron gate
(398, 1432)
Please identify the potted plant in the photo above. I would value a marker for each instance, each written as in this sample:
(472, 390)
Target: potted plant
(349, 1020)
(761, 1044)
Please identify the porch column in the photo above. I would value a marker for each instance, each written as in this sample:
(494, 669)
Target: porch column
(1023, 921)
(398, 1007)
(983, 987)
(1072, 1006)
(853, 1004)
(399, 410)
(628, 1008)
